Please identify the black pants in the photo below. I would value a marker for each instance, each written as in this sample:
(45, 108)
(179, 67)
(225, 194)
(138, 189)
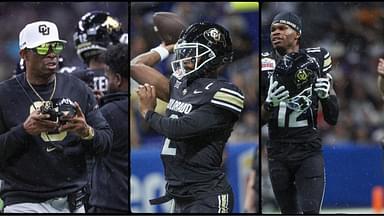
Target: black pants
(298, 185)
(222, 203)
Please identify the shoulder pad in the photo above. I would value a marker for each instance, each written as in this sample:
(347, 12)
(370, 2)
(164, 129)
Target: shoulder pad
(229, 97)
(323, 57)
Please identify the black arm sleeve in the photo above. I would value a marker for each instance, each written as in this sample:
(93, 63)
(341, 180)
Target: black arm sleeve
(330, 109)
(198, 122)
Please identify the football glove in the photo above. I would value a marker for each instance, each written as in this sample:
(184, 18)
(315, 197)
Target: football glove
(276, 95)
(322, 86)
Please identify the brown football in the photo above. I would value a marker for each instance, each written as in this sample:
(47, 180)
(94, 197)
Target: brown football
(168, 26)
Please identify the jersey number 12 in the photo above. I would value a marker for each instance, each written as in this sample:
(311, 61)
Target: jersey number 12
(292, 118)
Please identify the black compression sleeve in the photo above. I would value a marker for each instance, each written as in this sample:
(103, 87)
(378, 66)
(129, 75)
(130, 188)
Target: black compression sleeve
(330, 109)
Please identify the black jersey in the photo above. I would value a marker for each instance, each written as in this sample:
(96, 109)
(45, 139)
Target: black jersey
(33, 172)
(286, 125)
(201, 119)
(94, 78)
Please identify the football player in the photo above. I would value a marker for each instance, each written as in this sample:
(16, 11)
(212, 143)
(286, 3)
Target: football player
(294, 82)
(201, 113)
(95, 31)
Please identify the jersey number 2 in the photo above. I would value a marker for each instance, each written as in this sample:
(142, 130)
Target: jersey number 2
(292, 118)
(166, 149)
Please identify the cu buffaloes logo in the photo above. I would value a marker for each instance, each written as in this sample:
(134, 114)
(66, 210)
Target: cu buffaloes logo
(43, 29)
(301, 76)
(213, 35)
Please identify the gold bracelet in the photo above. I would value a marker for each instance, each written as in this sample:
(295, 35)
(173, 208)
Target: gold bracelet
(91, 134)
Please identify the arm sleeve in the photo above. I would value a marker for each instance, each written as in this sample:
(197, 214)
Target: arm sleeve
(330, 109)
(103, 138)
(12, 142)
(198, 122)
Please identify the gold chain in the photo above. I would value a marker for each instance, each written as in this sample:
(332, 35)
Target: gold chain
(53, 92)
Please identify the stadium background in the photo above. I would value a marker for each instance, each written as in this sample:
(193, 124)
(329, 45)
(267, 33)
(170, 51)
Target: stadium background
(147, 180)
(353, 34)
(15, 15)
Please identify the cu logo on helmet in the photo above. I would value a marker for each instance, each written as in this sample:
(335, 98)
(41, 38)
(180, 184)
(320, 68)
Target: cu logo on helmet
(213, 35)
(43, 29)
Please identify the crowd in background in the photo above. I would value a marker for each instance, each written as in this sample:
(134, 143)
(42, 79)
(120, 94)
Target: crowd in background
(353, 35)
(15, 15)
(243, 71)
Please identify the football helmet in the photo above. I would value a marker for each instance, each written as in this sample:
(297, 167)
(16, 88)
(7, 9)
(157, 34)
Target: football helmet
(94, 32)
(201, 48)
(298, 73)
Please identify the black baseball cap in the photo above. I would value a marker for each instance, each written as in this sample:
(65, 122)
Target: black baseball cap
(290, 19)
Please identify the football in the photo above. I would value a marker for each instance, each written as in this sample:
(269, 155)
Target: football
(168, 26)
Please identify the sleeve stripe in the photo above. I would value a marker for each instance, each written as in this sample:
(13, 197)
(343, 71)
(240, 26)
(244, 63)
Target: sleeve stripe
(326, 55)
(327, 62)
(225, 97)
(226, 105)
(313, 51)
(313, 48)
(327, 68)
(232, 92)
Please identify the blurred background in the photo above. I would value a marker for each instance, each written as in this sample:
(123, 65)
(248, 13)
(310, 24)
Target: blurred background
(242, 21)
(15, 15)
(353, 35)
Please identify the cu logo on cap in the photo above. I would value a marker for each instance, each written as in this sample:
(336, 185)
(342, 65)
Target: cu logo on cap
(43, 29)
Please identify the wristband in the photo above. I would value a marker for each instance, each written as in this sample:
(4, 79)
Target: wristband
(163, 52)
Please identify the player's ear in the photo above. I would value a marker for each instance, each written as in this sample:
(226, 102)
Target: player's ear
(298, 35)
(119, 79)
(23, 54)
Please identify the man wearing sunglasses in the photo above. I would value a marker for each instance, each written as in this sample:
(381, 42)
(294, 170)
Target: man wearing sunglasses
(48, 123)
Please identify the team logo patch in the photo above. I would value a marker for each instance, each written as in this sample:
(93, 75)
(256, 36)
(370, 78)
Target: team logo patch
(301, 76)
(214, 35)
(43, 29)
(268, 64)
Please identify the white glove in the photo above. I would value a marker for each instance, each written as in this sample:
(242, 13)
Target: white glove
(276, 95)
(322, 86)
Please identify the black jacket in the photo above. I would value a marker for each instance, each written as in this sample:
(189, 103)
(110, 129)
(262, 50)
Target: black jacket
(109, 187)
(31, 172)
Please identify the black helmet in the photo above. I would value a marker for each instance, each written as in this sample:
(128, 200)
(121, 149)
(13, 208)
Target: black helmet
(206, 46)
(94, 32)
(298, 73)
